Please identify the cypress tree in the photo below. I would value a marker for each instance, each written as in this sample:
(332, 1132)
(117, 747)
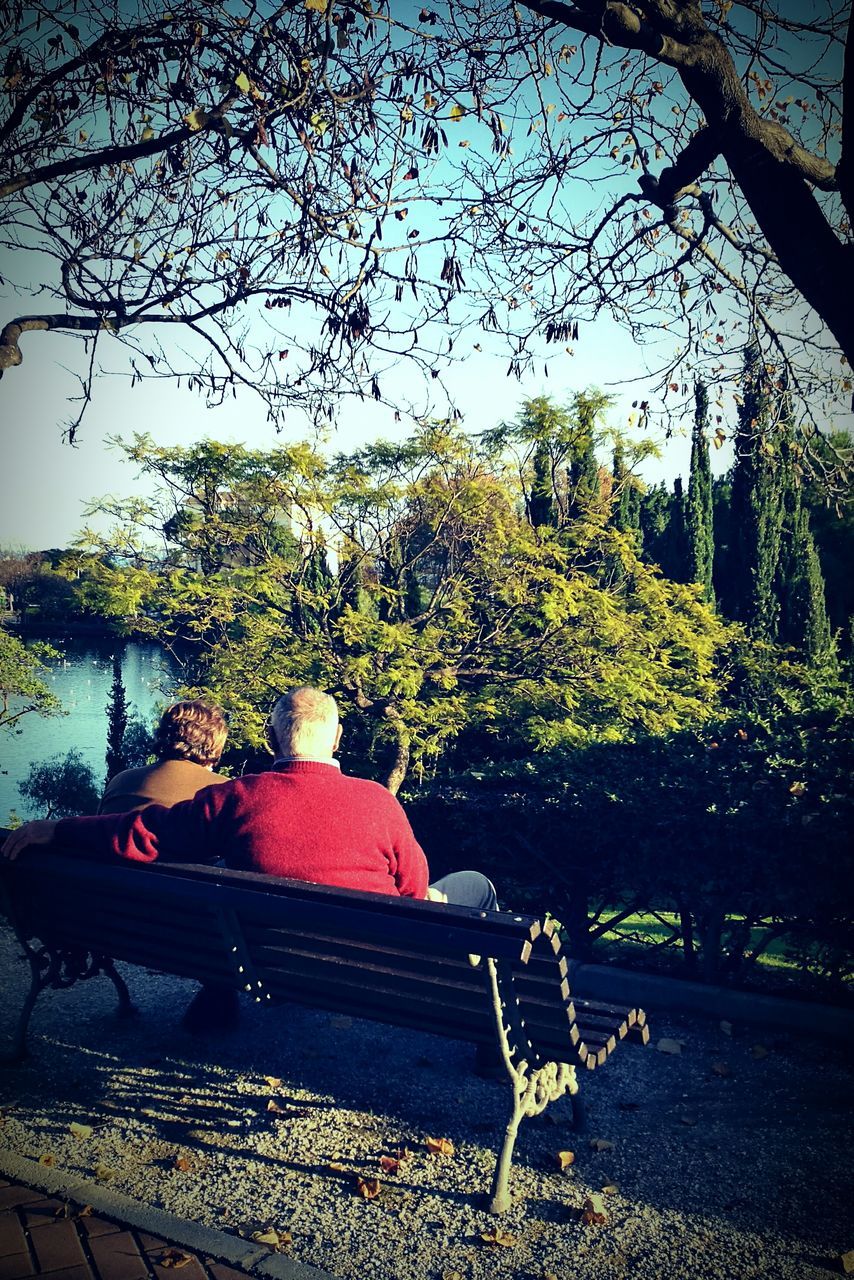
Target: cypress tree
(627, 507)
(117, 720)
(654, 519)
(584, 487)
(674, 552)
(541, 505)
(662, 524)
(723, 537)
(756, 508)
(698, 511)
(800, 586)
(315, 581)
(583, 479)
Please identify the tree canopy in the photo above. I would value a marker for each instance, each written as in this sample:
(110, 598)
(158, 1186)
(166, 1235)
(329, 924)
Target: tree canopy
(409, 580)
(317, 189)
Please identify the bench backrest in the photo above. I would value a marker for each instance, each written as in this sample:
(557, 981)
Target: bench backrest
(390, 959)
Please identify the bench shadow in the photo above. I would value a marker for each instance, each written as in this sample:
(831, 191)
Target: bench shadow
(684, 1136)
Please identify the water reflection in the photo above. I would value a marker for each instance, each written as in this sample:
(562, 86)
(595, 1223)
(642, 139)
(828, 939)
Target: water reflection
(81, 679)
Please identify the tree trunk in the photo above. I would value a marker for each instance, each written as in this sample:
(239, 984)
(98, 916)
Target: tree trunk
(400, 763)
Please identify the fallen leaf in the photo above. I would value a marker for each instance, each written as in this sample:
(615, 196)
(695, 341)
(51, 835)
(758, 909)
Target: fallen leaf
(104, 1172)
(594, 1213)
(183, 1164)
(80, 1130)
(272, 1237)
(85, 1212)
(726, 1028)
(452, 1275)
(565, 1159)
(335, 1166)
(272, 1105)
(688, 1117)
(610, 1189)
(174, 1258)
(758, 1051)
(273, 1082)
(846, 1261)
(498, 1237)
(368, 1188)
(47, 1159)
(440, 1146)
(388, 1164)
(669, 1046)
(601, 1144)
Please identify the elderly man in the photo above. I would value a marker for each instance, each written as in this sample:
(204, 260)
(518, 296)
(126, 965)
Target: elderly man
(303, 819)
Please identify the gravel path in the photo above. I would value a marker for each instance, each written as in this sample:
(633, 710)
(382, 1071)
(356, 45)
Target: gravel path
(725, 1161)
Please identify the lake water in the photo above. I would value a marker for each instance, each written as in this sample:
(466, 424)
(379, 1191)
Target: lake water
(82, 680)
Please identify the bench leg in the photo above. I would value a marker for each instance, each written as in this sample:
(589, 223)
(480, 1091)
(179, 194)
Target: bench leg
(499, 1194)
(39, 967)
(126, 1005)
(59, 968)
(533, 1087)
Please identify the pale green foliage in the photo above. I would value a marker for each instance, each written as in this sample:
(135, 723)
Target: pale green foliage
(408, 580)
(22, 687)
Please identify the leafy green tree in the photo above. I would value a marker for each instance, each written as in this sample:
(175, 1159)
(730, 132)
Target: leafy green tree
(553, 450)
(23, 689)
(61, 787)
(698, 512)
(521, 631)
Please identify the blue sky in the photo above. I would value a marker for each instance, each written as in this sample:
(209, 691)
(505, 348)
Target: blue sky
(45, 484)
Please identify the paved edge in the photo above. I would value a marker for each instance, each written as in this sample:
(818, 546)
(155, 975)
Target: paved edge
(256, 1259)
(597, 981)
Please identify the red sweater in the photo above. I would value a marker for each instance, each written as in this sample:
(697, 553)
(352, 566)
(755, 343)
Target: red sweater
(303, 819)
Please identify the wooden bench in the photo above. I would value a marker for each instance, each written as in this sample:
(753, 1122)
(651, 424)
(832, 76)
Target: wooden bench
(390, 959)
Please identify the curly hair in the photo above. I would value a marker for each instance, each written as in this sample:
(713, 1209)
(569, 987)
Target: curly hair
(191, 731)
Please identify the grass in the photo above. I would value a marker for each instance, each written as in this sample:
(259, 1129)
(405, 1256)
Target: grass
(777, 967)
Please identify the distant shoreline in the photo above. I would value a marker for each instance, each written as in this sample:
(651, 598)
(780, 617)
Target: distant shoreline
(58, 629)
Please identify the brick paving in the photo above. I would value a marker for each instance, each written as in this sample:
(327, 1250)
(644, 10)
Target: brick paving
(45, 1236)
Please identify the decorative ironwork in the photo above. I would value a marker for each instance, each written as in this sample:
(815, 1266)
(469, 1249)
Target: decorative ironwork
(534, 1081)
(59, 967)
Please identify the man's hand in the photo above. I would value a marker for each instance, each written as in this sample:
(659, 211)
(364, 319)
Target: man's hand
(39, 832)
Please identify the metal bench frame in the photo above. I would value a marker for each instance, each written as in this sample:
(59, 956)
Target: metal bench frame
(389, 959)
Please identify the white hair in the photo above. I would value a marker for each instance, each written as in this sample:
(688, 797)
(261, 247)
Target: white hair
(304, 722)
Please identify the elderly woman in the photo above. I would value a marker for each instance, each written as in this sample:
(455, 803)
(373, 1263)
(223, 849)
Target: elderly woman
(188, 743)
